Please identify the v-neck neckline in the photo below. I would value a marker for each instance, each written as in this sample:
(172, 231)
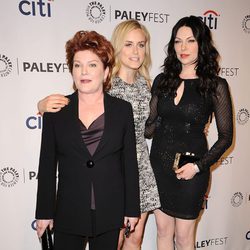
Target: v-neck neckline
(92, 123)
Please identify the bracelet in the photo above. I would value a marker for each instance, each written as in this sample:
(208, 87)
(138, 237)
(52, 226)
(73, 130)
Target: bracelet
(196, 168)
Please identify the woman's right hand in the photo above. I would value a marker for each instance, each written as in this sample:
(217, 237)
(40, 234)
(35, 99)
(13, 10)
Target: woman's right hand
(132, 221)
(52, 103)
(41, 225)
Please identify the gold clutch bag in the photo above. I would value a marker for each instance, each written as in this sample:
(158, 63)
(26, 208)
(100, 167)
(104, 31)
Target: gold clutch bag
(184, 158)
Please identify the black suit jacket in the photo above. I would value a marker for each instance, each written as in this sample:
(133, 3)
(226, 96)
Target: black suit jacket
(112, 170)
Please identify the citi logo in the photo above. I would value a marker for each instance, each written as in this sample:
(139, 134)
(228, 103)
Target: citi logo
(35, 8)
(210, 18)
(34, 122)
(248, 235)
(33, 225)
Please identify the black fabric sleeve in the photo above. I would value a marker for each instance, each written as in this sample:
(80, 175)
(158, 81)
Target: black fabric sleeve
(222, 106)
(152, 120)
(46, 191)
(131, 174)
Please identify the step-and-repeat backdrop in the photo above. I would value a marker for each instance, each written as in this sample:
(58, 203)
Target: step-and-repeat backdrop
(32, 65)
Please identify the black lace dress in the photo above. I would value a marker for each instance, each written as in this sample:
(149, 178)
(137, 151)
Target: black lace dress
(180, 128)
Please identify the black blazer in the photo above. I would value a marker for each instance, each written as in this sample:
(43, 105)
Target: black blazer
(112, 169)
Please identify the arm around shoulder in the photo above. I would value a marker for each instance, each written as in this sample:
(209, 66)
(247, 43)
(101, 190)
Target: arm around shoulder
(52, 103)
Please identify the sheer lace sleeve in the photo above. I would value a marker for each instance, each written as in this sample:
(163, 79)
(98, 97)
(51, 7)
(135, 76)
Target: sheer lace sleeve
(152, 119)
(224, 122)
(153, 115)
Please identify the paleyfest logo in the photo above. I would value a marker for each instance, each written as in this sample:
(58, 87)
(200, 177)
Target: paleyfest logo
(213, 242)
(246, 24)
(5, 65)
(8, 177)
(95, 12)
(242, 116)
(237, 199)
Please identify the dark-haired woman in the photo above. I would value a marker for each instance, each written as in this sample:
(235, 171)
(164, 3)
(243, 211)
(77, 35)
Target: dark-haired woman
(184, 97)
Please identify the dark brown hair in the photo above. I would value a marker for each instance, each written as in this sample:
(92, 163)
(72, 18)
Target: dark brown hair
(96, 43)
(207, 67)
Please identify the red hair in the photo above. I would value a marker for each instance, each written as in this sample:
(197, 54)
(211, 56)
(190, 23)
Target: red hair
(96, 43)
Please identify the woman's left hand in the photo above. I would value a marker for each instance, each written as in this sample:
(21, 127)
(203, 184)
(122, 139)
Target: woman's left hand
(186, 172)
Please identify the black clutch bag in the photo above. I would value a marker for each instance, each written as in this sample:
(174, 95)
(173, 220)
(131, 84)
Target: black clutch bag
(46, 240)
(127, 230)
(184, 158)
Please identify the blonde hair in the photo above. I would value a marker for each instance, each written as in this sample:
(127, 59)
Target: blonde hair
(117, 40)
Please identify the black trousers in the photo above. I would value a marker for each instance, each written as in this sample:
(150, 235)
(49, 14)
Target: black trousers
(108, 240)
(105, 241)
